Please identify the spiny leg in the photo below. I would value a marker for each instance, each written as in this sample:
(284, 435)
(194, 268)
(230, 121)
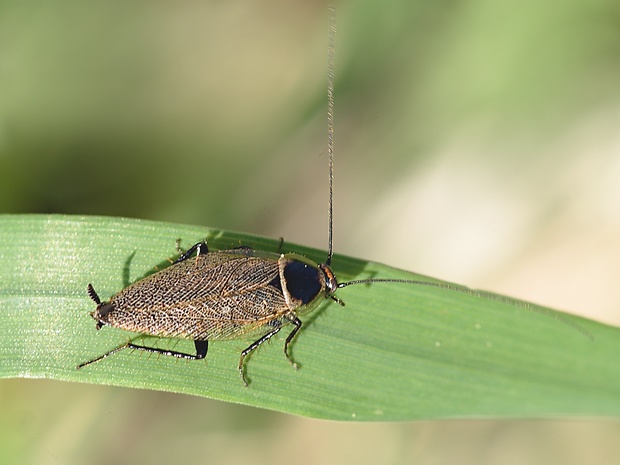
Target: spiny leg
(101, 357)
(201, 352)
(297, 322)
(252, 347)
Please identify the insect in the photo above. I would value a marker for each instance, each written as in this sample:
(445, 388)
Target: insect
(238, 293)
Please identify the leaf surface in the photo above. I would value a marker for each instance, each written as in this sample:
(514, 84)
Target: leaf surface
(395, 352)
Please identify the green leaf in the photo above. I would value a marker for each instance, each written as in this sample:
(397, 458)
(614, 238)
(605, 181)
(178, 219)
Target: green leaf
(395, 352)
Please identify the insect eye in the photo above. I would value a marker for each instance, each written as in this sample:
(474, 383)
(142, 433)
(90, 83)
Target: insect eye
(302, 281)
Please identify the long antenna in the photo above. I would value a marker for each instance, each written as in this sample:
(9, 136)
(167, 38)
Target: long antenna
(484, 295)
(451, 287)
(330, 128)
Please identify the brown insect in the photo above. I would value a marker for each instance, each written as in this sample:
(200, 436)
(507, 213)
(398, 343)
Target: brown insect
(230, 294)
(239, 293)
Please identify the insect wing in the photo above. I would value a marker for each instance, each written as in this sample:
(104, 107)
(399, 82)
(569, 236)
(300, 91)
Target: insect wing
(218, 295)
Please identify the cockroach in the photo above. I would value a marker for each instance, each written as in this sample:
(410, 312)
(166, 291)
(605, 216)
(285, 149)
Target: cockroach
(240, 293)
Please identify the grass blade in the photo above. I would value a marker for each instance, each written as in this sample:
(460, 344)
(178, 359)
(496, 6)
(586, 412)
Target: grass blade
(395, 352)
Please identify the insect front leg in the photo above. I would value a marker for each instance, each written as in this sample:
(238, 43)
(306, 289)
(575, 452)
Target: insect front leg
(252, 347)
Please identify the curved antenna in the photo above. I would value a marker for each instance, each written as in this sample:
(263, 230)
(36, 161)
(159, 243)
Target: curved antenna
(483, 295)
(330, 128)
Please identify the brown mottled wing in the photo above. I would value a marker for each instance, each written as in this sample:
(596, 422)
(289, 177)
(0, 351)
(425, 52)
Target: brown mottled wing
(218, 295)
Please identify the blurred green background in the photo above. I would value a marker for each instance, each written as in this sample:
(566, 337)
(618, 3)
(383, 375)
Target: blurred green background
(476, 142)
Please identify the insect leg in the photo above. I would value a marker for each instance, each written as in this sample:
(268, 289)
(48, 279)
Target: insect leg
(200, 248)
(201, 349)
(297, 322)
(201, 352)
(101, 357)
(252, 347)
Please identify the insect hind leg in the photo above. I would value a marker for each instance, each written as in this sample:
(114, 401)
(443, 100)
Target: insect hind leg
(201, 352)
(101, 357)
